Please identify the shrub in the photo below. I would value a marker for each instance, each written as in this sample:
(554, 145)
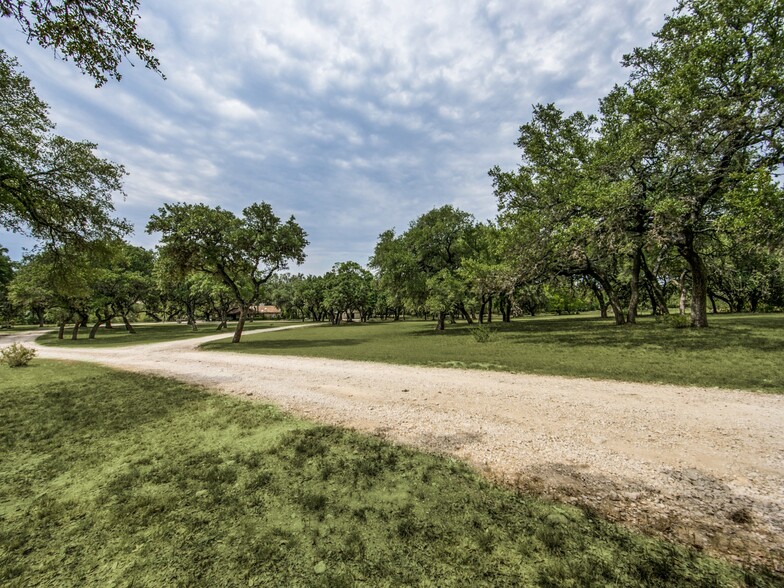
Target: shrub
(674, 321)
(16, 355)
(482, 333)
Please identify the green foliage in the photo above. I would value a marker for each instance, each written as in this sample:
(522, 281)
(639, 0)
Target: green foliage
(96, 34)
(421, 265)
(739, 351)
(7, 306)
(708, 91)
(242, 253)
(53, 188)
(348, 288)
(29, 289)
(110, 478)
(16, 355)
(444, 292)
(682, 162)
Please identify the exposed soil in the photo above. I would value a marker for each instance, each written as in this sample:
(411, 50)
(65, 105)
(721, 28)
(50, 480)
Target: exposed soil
(702, 466)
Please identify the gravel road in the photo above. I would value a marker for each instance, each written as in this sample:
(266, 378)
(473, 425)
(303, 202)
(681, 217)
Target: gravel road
(701, 466)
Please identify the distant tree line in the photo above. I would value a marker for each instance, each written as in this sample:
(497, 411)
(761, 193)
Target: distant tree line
(670, 196)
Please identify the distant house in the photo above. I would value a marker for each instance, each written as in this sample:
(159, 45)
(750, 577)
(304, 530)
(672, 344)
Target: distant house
(262, 311)
(268, 311)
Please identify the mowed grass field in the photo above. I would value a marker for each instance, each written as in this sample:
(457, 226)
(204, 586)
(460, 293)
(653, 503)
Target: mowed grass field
(115, 479)
(737, 351)
(118, 336)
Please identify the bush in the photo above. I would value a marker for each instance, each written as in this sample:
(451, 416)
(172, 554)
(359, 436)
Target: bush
(482, 333)
(674, 321)
(16, 355)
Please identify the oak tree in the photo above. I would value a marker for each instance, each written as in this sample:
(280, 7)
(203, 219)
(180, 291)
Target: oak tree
(242, 252)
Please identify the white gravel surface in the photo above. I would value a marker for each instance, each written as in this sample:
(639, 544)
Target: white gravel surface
(703, 466)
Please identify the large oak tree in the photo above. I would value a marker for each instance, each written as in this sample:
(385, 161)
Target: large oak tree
(708, 96)
(242, 252)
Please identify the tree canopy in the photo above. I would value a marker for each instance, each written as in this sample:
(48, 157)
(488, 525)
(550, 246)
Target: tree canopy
(242, 252)
(51, 188)
(96, 34)
(681, 161)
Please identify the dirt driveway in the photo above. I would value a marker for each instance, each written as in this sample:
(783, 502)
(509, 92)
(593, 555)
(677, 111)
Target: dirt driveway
(703, 466)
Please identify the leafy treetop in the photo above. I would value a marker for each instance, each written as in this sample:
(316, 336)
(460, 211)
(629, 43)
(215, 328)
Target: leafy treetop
(96, 34)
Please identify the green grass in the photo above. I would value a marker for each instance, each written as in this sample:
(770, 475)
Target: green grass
(737, 351)
(146, 333)
(17, 328)
(116, 479)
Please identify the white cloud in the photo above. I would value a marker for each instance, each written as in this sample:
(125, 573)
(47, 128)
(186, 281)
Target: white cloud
(356, 115)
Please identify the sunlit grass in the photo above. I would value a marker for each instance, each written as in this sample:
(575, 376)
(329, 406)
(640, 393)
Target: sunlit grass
(737, 351)
(147, 333)
(116, 479)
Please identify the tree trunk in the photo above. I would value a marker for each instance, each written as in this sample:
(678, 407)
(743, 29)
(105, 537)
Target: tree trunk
(109, 324)
(39, 314)
(754, 302)
(61, 330)
(505, 307)
(440, 321)
(461, 307)
(699, 286)
(712, 299)
(634, 297)
(482, 311)
(682, 298)
(490, 310)
(224, 323)
(600, 299)
(240, 326)
(618, 314)
(658, 302)
(75, 331)
(94, 330)
(128, 325)
(651, 298)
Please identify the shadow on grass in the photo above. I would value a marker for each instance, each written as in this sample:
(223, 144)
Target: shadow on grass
(102, 407)
(751, 332)
(633, 336)
(284, 344)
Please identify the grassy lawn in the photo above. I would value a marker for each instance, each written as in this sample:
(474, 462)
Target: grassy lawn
(146, 333)
(737, 351)
(18, 328)
(115, 479)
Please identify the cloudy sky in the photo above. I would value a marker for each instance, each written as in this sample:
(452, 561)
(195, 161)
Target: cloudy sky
(354, 116)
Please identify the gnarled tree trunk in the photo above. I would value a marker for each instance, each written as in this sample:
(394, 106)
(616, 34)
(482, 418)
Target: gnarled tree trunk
(240, 325)
(128, 325)
(634, 298)
(699, 284)
(440, 321)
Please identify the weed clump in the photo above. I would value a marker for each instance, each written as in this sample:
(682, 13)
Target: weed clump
(482, 333)
(16, 355)
(674, 321)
